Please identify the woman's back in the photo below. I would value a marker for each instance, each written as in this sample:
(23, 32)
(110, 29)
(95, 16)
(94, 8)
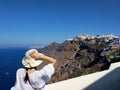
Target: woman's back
(37, 79)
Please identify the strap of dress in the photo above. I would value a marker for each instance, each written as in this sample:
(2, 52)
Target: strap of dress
(36, 89)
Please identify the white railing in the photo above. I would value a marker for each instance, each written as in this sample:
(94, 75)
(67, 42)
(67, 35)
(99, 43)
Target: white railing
(104, 80)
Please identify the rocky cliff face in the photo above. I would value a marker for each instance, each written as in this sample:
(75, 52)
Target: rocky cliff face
(80, 57)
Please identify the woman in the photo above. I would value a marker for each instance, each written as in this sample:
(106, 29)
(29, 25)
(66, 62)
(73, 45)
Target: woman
(29, 78)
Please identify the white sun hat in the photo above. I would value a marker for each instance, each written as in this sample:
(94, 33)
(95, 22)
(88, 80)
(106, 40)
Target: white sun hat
(29, 62)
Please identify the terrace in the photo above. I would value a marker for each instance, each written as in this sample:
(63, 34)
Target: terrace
(104, 80)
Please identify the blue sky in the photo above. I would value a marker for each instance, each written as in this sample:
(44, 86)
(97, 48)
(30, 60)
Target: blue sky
(40, 22)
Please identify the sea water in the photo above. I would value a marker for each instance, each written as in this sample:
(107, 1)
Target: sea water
(10, 61)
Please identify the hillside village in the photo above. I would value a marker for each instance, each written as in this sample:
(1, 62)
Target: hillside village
(112, 39)
(83, 55)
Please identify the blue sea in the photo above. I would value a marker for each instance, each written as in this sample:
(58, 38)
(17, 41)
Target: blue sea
(10, 61)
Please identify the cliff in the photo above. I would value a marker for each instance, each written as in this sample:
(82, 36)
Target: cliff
(81, 56)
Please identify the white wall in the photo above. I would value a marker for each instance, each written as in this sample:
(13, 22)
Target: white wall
(108, 79)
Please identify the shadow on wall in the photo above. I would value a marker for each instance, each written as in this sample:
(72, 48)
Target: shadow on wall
(111, 81)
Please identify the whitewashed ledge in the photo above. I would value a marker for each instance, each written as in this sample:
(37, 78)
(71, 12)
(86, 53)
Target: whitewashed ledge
(104, 80)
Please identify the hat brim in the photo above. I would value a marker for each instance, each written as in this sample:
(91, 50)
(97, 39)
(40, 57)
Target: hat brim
(30, 62)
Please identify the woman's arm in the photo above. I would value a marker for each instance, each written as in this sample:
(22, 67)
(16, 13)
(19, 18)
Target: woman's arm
(40, 56)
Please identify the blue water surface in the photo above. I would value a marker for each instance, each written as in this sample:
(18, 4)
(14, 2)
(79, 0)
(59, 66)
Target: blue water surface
(10, 61)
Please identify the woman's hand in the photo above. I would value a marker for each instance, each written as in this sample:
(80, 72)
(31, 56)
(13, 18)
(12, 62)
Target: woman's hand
(36, 55)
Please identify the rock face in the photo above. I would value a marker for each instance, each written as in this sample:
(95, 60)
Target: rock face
(80, 57)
